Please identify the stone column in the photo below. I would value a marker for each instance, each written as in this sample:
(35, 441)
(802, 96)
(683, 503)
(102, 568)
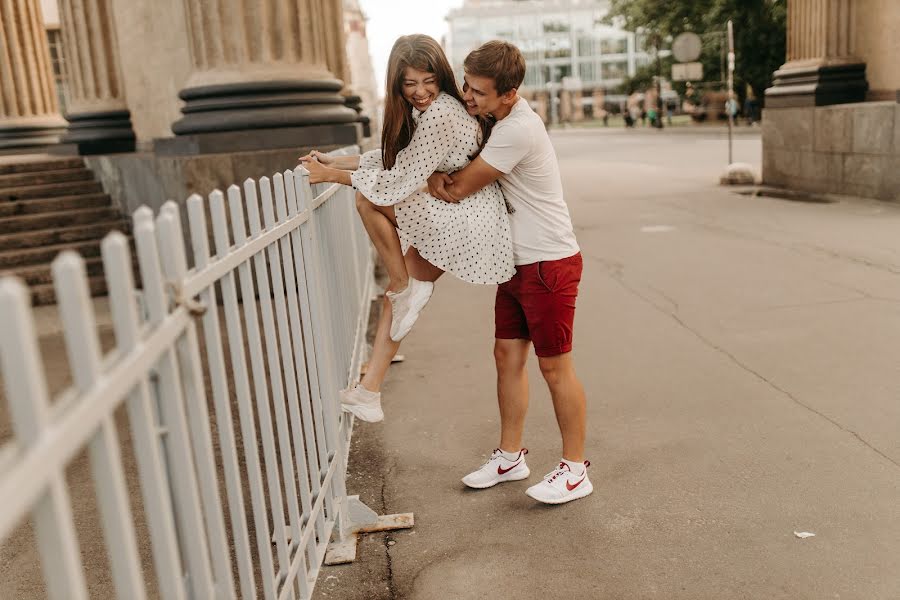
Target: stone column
(577, 106)
(565, 106)
(821, 67)
(99, 120)
(599, 96)
(265, 65)
(29, 115)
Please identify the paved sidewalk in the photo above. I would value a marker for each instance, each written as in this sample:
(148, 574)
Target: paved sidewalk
(739, 355)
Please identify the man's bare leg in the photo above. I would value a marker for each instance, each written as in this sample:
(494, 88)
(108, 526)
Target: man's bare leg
(384, 348)
(568, 402)
(510, 357)
(381, 225)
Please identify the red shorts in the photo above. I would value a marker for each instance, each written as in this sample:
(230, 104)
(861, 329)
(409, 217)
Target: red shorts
(538, 304)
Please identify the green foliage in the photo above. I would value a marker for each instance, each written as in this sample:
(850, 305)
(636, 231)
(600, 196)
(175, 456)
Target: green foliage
(759, 33)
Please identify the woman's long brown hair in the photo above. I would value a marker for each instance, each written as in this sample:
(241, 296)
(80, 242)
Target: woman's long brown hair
(425, 54)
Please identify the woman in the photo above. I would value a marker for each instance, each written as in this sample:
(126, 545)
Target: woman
(426, 129)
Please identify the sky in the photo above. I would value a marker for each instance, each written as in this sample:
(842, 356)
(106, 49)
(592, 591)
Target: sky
(389, 19)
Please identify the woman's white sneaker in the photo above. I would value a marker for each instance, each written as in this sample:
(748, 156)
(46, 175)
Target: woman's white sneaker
(500, 467)
(406, 306)
(362, 403)
(562, 484)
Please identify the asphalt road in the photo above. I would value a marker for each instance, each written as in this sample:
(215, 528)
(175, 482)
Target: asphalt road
(739, 355)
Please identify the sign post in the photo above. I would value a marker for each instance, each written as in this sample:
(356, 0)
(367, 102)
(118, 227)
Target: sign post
(731, 100)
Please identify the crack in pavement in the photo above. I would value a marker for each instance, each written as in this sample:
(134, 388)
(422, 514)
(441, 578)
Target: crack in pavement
(392, 591)
(617, 275)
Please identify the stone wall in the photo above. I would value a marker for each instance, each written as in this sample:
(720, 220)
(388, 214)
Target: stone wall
(138, 178)
(851, 149)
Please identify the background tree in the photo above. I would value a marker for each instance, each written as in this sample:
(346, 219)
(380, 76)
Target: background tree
(759, 33)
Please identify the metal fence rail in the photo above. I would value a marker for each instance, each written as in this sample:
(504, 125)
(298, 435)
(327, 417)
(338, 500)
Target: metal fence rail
(238, 437)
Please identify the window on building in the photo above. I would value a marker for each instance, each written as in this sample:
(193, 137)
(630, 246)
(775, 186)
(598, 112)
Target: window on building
(558, 48)
(614, 46)
(614, 70)
(556, 26)
(561, 71)
(586, 46)
(54, 39)
(533, 77)
(588, 72)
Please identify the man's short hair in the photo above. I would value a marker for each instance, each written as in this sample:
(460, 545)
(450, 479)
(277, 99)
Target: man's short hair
(499, 60)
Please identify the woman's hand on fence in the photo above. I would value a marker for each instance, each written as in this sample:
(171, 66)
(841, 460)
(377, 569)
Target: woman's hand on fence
(318, 173)
(323, 158)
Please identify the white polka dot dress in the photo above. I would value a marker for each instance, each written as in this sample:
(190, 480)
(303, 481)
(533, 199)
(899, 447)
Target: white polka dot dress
(469, 239)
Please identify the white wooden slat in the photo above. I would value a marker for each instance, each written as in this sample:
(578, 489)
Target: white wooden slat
(258, 369)
(286, 388)
(26, 480)
(178, 453)
(155, 491)
(312, 416)
(171, 243)
(219, 384)
(242, 390)
(305, 448)
(301, 248)
(290, 382)
(28, 400)
(83, 350)
(274, 368)
(330, 403)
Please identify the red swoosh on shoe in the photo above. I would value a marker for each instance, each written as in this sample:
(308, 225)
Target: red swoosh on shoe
(571, 487)
(502, 471)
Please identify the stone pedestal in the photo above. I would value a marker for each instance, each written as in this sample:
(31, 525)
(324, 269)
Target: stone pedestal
(29, 115)
(264, 66)
(97, 111)
(565, 106)
(821, 67)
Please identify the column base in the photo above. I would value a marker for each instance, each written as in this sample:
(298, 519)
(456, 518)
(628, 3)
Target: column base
(31, 132)
(249, 140)
(355, 102)
(262, 105)
(817, 85)
(103, 132)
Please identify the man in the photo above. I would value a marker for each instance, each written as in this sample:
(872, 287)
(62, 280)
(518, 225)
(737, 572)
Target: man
(538, 305)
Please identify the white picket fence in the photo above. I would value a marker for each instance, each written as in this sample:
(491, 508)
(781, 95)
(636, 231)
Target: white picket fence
(294, 296)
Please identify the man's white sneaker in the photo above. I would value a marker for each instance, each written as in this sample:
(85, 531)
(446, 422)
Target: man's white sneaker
(562, 484)
(362, 403)
(406, 306)
(497, 469)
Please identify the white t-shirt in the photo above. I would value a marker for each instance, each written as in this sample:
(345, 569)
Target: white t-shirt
(540, 225)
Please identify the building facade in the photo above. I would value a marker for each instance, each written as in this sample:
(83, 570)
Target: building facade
(832, 117)
(169, 97)
(362, 75)
(569, 50)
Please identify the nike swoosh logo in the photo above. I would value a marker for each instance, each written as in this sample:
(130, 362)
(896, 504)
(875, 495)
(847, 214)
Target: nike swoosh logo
(571, 487)
(502, 471)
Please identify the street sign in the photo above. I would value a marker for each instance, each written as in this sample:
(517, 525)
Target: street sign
(686, 47)
(691, 71)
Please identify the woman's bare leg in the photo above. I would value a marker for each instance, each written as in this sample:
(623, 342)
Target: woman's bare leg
(381, 225)
(385, 348)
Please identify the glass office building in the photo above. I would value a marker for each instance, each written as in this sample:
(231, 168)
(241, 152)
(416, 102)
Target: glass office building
(565, 42)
